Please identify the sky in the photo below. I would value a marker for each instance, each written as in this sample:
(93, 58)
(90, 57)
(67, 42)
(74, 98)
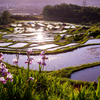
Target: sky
(51, 2)
(39, 1)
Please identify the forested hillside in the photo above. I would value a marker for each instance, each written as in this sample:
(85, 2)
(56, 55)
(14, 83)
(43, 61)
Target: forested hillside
(71, 13)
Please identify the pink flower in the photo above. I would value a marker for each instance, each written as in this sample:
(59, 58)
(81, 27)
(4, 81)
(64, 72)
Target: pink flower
(2, 80)
(30, 60)
(42, 63)
(42, 53)
(1, 56)
(44, 58)
(2, 65)
(31, 78)
(15, 61)
(4, 71)
(29, 51)
(39, 62)
(9, 76)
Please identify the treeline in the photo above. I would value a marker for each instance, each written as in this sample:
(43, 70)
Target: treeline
(25, 17)
(71, 13)
(63, 12)
(7, 18)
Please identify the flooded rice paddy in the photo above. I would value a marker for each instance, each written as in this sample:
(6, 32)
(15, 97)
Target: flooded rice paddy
(17, 45)
(5, 44)
(36, 32)
(89, 74)
(91, 41)
(43, 32)
(58, 61)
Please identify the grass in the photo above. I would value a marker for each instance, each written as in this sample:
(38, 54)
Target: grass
(66, 72)
(48, 85)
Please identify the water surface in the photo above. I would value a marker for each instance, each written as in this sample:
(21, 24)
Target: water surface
(58, 61)
(5, 44)
(93, 41)
(17, 45)
(89, 74)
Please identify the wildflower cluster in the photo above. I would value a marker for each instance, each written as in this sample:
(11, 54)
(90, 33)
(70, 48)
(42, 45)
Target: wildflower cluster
(28, 62)
(42, 62)
(30, 59)
(4, 72)
(15, 60)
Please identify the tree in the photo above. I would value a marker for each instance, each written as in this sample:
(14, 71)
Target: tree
(84, 18)
(47, 11)
(5, 17)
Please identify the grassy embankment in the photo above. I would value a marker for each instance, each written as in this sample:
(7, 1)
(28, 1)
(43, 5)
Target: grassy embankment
(46, 85)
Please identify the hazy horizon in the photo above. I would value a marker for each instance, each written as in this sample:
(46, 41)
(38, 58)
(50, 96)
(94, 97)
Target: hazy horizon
(23, 2)
(36, 6)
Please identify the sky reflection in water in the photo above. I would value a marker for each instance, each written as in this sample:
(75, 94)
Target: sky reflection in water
(58, 61)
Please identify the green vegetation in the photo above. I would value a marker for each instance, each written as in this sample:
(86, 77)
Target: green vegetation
(71, 13)
(6, 30)
(52, 85)
(27, 17)
(79, 35)
(47, 85)
(95, 33)
(5, 18)
(66, 72)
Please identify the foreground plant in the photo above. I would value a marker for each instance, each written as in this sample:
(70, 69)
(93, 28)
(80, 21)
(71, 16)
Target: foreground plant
(29, 61)
(42, 62)
(41, 86)
(4, 72)
(15, 60)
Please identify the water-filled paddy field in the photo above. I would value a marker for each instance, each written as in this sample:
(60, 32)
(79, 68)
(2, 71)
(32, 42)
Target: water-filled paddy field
(40, 36)
(89, 74)
(58, 61)
(36, 35)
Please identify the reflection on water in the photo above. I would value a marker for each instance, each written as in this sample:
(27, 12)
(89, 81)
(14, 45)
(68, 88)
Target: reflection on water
(31, 37)
(37, 31)
(71, 44)
(5, 44)
(89, 74)
(18, 45)
(40, 37)
(42, 47)
(30, 30)
(58, 61)
(93, 41)
(33, 45)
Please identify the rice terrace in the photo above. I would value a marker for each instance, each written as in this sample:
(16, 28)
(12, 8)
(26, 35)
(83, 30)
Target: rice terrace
(51, 56)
